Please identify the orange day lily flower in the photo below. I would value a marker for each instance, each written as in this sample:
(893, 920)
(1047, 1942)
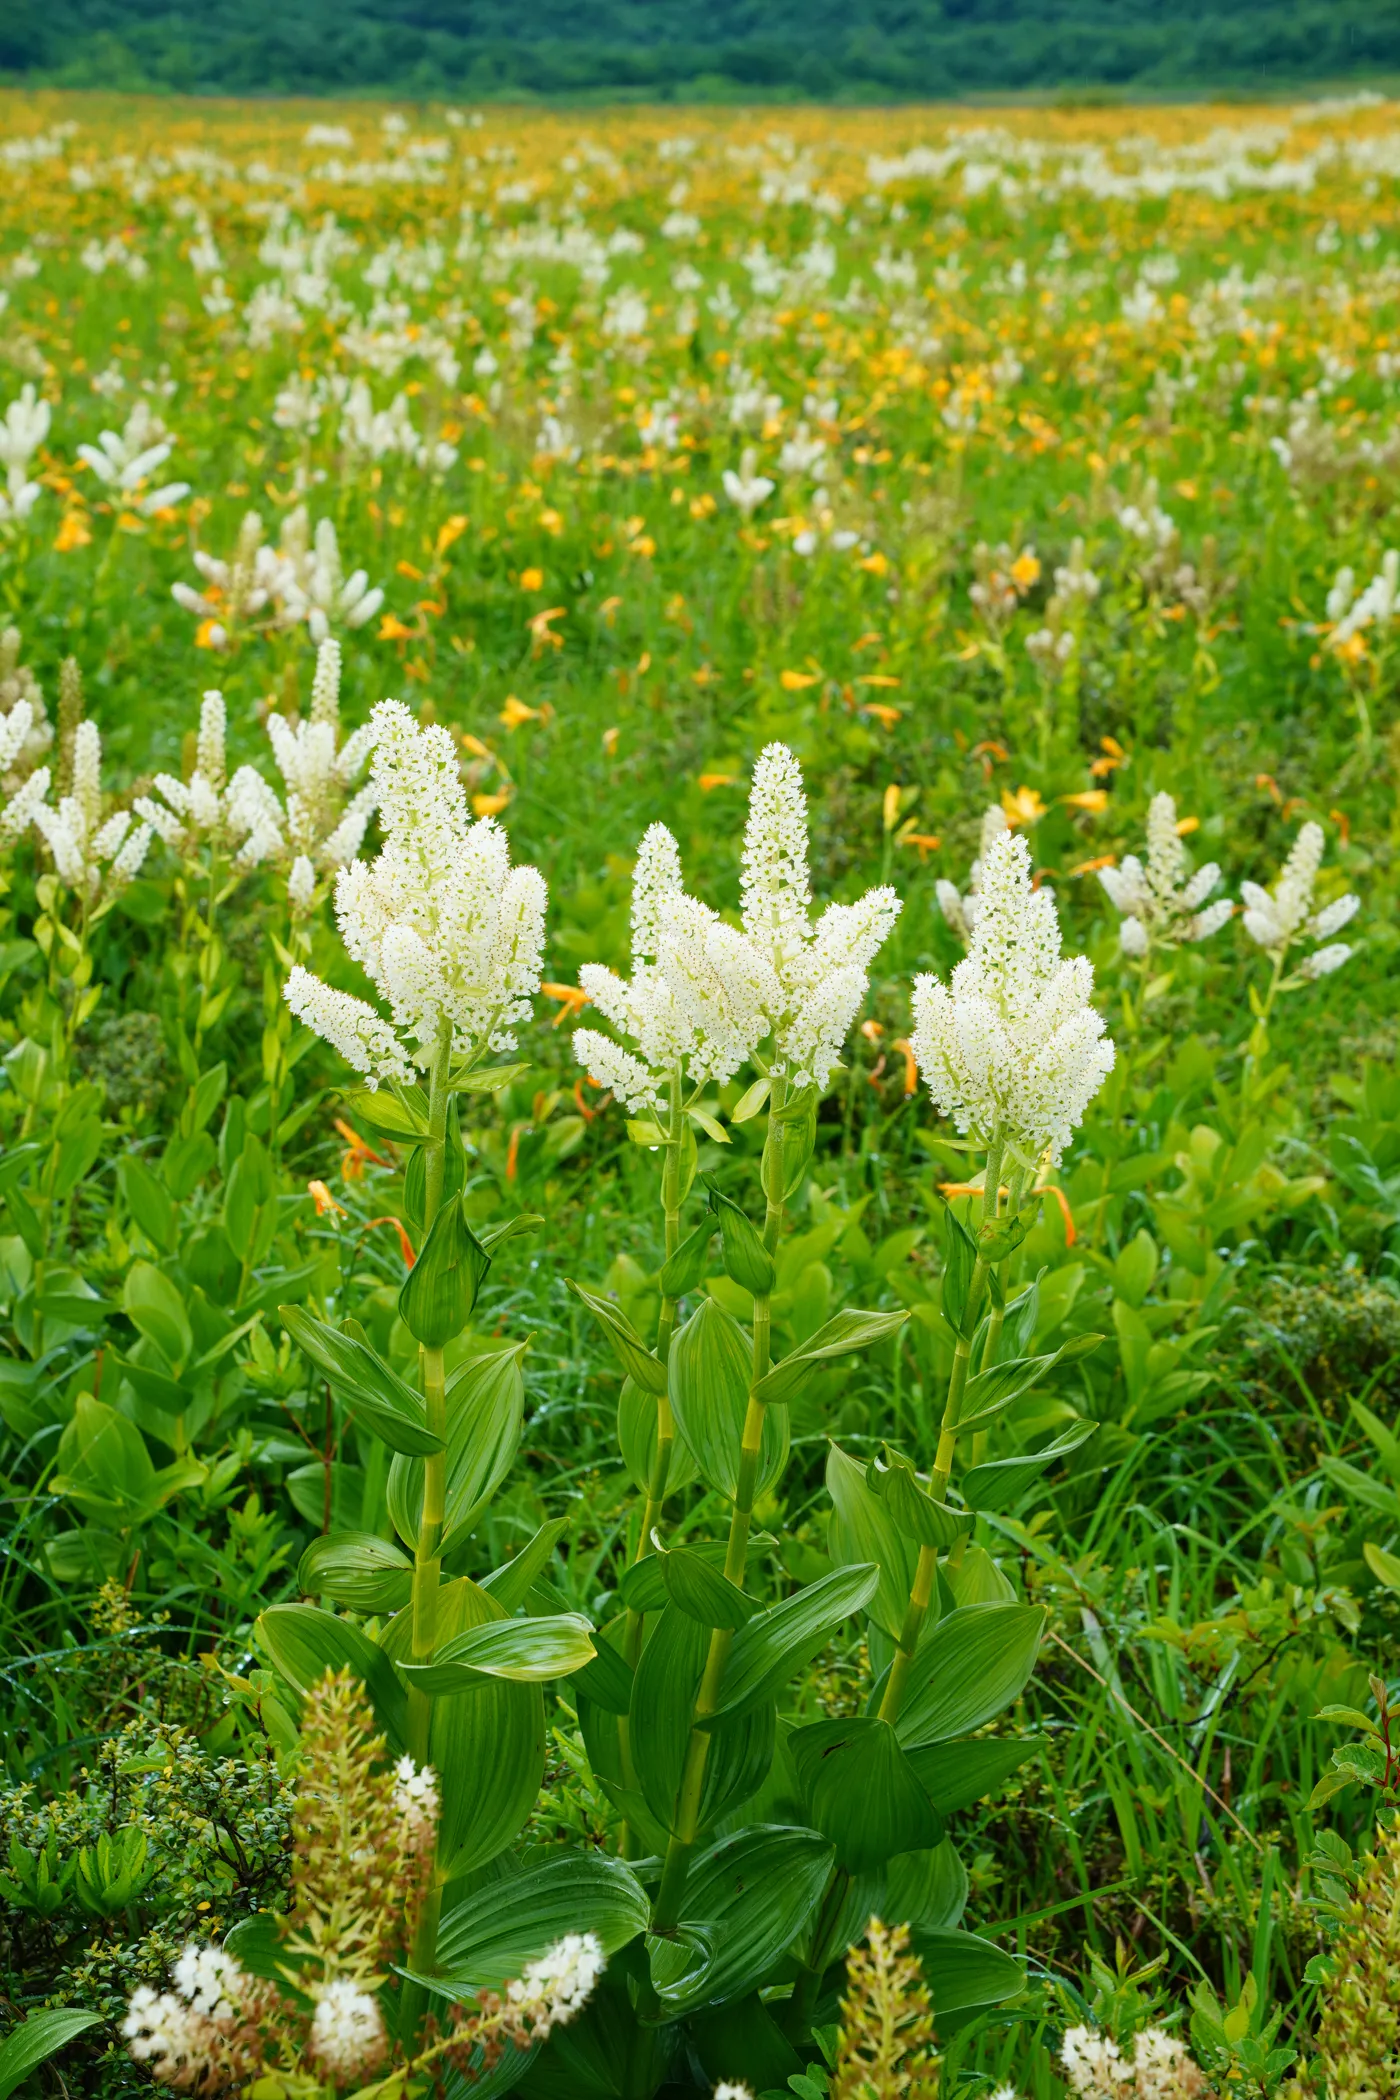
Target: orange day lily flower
(572, 1000)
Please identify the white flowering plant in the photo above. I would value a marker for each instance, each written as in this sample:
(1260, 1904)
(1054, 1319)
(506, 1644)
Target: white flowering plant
(449, 934)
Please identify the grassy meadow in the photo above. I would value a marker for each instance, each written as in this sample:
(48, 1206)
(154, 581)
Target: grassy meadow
(1037, 461)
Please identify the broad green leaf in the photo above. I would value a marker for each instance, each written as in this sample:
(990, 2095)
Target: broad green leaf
(711, 1364)
(511, 1585)
(156, 1309)
(148, 1202)
(485, 1079)
(919, 1517)
(860, 1790)
(978, 1580)
(401, 1115)
(776, 1643)
(849, 1331)
(746, 1901)
(991, 1392)
(643, 1587)
(1384, 1566)
(861, 1528)
(746, 1259)
(751, 1101)
(636, 1435)
(103, 1462)
(488, 1751)
(959, 1260)
(488, 1939)
(998, 1484)
(304, 1643)
(703, 1592)
(927, 1888)
(956, 1774)
(359, 1569)
(527, 1651)
(962, 1970)
(642, 1366)
(973, 1664)
(307, 1485)
(250, 1203)
(663, 1705)
(485, 1415)
(607, 1680)
(38, 2036)
(152, 1386)
(703, 1120)
(359, 1376)
(685, 1270)
(437, 1295)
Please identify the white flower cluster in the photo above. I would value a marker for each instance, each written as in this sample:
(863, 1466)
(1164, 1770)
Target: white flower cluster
(704, 993)
(234, 590)
(961, 910)
(447, 931)
(1161, 902)
(91, 856)
(25, 734)
(208, 808)
(416, 1798)
(183, 2034)
(1275, 921)
(551, 1990)
(1373, 607)
(1012, 1044)
(124, 463)
(302, 579)
(25, 737)
(748, 489)
(645, 1009)
(22, 431)
(1161, 2068)
(347, 2031)
(312, 584)
(318, 828)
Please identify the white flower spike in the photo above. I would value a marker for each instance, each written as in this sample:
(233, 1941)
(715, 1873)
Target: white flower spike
(1161, 904)
(447, 931)
(961, 911)
(1275, 921)
(1013, 1045)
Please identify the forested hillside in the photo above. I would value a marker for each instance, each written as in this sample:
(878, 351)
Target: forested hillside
(827, 49)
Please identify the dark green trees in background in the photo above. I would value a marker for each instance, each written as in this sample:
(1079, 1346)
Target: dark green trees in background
(733, 50)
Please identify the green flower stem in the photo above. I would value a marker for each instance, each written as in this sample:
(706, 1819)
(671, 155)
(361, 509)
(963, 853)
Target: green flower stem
(920, 1596)
(1257, 1048)
(926, 1568)
(685, 1828)
(427, 1560)
(665, 1436)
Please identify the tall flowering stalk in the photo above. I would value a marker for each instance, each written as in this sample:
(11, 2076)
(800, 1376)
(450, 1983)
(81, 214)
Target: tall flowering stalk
(781, 993)
(660, 1076)
(451, 936)
(1278, 920)
(1013, 1051)
(1161, 903)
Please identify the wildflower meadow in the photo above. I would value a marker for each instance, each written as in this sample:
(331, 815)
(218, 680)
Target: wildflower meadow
(699, 1101)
